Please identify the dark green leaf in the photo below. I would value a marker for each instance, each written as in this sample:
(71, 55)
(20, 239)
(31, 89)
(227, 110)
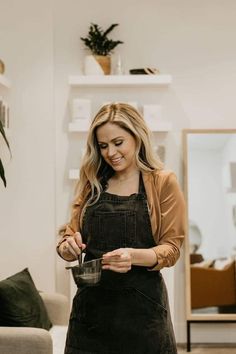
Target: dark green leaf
(2, 174)
(110, 29)
(97, 40)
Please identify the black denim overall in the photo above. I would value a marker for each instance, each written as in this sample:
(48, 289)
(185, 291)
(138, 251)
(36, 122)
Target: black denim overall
(126, 313)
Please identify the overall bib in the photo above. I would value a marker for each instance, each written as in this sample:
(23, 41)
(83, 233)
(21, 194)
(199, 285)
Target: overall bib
(125, 313)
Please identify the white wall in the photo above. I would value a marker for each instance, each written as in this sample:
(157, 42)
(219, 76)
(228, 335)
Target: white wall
(27, 206)
(191, 40)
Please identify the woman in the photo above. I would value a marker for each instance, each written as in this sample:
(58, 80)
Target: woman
(130, 212)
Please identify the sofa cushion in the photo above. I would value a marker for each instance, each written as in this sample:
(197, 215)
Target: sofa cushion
(222, 263)
(204, 264)
(58, 334)
(20, 303)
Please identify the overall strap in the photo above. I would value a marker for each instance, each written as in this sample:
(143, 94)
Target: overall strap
(141, 188)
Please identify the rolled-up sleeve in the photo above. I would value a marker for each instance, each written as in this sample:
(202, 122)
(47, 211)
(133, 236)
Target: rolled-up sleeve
(73, 226)
(173, 223)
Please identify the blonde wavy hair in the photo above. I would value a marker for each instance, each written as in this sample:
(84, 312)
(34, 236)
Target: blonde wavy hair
(94, 171)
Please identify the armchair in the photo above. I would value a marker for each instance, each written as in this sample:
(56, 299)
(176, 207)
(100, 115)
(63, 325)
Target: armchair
(27, 340)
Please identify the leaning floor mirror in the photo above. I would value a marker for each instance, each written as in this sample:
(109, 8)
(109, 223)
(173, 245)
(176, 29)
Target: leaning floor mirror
(210, 191)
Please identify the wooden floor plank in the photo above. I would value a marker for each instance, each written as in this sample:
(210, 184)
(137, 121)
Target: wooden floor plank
(205, 349)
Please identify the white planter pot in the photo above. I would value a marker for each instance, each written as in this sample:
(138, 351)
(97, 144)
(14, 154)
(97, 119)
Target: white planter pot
(91, 66)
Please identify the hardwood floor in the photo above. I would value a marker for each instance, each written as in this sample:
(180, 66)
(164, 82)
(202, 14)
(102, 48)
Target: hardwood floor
(208, 349)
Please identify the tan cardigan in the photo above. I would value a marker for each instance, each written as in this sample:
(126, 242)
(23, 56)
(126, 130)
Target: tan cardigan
(167, 214)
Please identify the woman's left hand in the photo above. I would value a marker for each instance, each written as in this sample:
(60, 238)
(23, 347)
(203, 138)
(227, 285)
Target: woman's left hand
(119, 260)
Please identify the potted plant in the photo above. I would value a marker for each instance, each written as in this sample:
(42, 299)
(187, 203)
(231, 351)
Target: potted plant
(100, 45)
(2, 172)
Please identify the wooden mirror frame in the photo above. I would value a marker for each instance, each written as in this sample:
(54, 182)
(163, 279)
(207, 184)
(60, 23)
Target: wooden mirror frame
(191, 317)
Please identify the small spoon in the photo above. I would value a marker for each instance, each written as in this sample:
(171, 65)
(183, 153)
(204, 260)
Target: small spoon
(80, 256)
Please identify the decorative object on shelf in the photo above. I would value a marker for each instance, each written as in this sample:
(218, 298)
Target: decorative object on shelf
(81, 112)
(101, 47)
(92, 66)
(74, 173)
(144, 71)
(152, 114)
(119, 68)
(2, 67)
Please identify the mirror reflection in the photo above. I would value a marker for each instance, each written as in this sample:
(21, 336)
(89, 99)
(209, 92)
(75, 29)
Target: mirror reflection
(211, 199)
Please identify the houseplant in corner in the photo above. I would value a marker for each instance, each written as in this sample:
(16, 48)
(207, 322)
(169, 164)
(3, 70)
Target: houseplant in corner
(2, 172)
(101, 47)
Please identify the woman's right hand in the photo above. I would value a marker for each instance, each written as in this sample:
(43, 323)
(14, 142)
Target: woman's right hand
(72, 247)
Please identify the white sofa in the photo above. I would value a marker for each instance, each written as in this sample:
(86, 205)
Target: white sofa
(27, 340)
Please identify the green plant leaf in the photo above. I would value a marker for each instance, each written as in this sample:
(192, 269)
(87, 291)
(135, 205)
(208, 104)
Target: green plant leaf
(97, 40)
(2, 174)
(110, 29)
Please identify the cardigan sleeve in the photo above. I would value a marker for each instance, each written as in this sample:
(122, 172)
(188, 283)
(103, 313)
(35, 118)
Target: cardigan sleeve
(173, 223)
(73, 226)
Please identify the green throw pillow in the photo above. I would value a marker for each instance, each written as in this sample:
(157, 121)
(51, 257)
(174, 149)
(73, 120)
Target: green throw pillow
(20, 303)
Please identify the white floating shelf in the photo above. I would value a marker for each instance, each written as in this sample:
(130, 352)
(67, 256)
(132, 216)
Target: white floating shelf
(74, 173)
(4, 81)
(120, 80)
(160, 127)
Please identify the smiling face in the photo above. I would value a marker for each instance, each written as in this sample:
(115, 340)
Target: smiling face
(117, 147)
